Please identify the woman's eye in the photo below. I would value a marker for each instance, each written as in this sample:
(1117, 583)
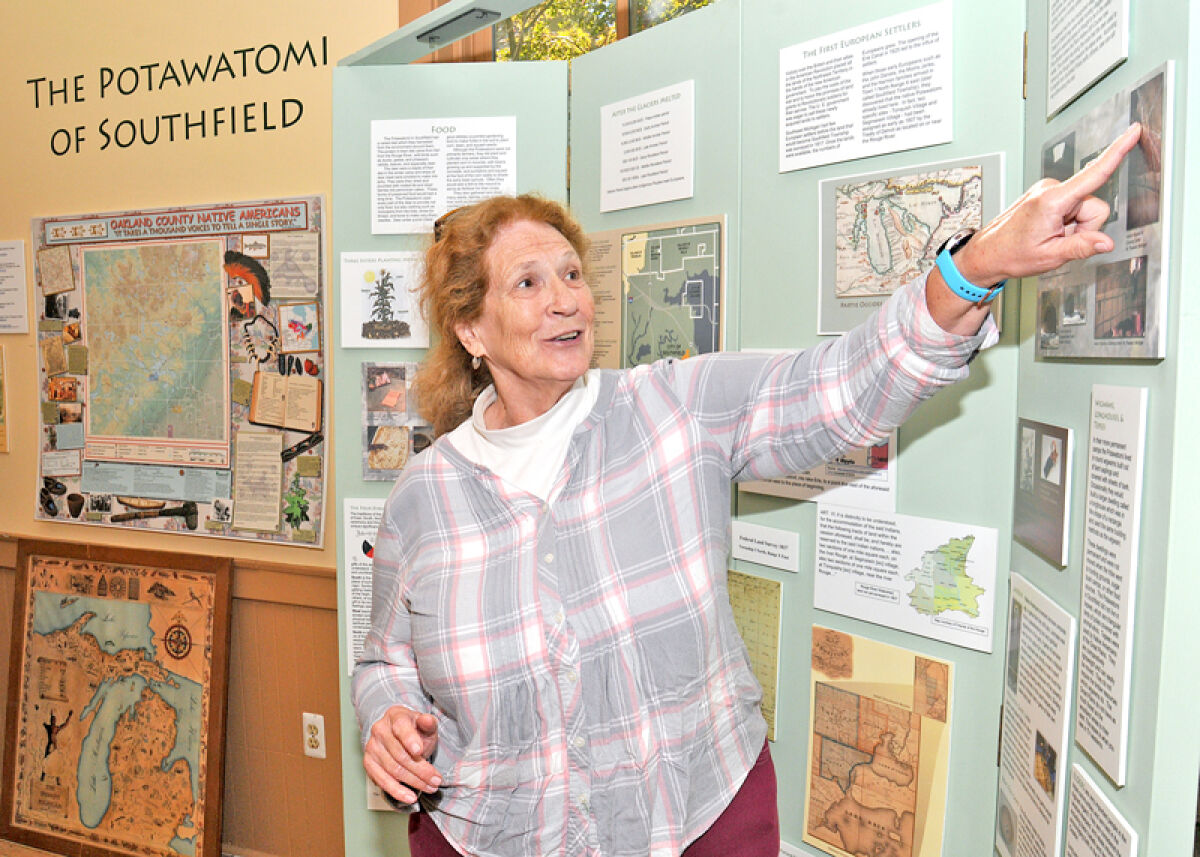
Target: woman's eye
(574, 275)
(526, 283)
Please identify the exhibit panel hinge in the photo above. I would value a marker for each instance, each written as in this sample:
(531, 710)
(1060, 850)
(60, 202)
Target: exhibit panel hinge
(1000, 735)
(1025, 65)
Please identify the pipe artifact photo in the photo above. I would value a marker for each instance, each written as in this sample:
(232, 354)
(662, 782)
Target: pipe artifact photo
(187, 511)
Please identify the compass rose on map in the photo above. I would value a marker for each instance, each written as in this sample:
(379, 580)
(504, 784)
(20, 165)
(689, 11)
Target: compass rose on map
(178, 641)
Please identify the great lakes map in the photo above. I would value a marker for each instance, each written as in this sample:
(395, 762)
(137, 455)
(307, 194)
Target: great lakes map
(111, 728)
(887, 230)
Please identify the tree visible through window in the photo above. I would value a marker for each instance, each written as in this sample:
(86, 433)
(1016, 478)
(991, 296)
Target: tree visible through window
(562, 29)
(557, 30)
(644, 14)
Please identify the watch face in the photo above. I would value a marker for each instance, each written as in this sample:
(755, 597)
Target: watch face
(955, 241)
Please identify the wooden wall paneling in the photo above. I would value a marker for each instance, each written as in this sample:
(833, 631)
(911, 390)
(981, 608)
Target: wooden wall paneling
(286, 629)
(240, 829)
(279, 801)
(8, 583)
(265, 806)
(317, 688)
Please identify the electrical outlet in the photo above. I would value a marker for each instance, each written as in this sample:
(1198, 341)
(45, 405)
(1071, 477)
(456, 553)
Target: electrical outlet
(314, 735)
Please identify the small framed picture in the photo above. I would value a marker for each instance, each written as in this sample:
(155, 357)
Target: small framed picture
(300, 327)
(56, 274)
(257, 246)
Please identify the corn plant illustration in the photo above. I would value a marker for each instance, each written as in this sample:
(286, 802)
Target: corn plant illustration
(383, 323)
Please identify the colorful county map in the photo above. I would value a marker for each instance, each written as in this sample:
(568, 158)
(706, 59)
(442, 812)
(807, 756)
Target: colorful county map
(113, 714)
(875, 787)
(156, 339)
(941, 582)
(671, 280)
(887, 231)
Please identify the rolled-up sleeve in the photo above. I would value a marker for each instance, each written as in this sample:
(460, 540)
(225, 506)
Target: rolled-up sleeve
(787, 413)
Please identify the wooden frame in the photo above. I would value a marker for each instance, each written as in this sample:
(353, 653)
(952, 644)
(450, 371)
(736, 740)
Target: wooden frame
(130, 649)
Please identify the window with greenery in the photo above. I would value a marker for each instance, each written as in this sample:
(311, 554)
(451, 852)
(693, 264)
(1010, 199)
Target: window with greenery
(644, 14)
(556, 30)
(562, 29)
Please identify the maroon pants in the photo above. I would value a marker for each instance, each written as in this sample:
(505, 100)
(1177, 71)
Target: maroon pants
(749, 826)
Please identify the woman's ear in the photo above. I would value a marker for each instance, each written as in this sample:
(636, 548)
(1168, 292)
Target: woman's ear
(469, 339)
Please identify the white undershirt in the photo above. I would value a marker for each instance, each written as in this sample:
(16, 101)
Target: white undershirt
(529, 456)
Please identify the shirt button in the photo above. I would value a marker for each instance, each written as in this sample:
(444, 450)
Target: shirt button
(585, 803)
(572, 676)
(558, 617)
(577, 741)
(548, 557)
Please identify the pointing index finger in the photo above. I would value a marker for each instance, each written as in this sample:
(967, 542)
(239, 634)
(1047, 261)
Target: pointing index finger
(1098, 171)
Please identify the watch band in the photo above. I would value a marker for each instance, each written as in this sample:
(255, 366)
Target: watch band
(959, 284)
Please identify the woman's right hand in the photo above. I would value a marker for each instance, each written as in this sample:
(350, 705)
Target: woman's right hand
(397, 754)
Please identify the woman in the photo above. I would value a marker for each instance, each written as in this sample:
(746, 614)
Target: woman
(553, 666)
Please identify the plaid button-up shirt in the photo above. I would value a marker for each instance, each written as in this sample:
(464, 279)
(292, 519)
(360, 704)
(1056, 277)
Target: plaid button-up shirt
(592, 692)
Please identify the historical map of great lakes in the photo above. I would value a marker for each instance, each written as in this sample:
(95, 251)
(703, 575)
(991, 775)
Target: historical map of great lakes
(881, 230)
(888, 230)
(111, 729)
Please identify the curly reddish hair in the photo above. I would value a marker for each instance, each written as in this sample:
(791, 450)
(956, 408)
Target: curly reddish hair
(452, 293)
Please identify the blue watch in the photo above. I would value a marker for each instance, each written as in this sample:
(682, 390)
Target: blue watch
(957, 282)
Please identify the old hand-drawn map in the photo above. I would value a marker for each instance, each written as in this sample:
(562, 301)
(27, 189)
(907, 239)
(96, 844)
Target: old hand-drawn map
(111, 737)
(888, 230)
(880, 739)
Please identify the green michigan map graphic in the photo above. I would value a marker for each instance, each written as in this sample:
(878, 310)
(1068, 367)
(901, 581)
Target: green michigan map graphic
(941, 582)
(156, 346)
(671, 289)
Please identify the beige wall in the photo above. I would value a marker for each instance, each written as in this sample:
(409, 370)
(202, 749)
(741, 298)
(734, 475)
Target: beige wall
(284, 621)
(60, 39)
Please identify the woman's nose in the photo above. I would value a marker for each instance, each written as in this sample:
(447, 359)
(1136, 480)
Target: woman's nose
(564, 298)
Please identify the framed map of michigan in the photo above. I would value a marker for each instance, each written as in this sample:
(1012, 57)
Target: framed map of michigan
(116, 715)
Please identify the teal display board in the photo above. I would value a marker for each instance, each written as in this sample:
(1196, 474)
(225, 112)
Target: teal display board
(1159, 797)
(954, 454)
(655, 59)
(536, 94)
(957, 453)
(946, 449)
